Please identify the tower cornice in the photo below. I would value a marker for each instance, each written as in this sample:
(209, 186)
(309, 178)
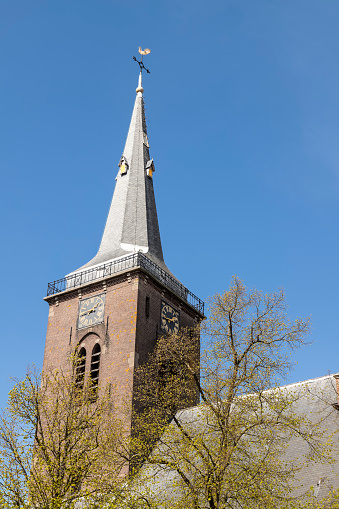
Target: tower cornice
(99, 274)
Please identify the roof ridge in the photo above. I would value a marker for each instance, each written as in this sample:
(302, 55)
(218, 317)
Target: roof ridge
(310, 380)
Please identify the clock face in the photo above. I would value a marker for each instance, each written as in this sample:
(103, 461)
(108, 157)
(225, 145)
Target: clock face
(169, 318)
(91, 311)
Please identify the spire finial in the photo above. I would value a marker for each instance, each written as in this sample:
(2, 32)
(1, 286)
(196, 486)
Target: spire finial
(139, 88)
(142, 52)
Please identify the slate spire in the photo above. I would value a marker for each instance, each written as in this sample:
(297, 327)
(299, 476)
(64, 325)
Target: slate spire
(132, 221)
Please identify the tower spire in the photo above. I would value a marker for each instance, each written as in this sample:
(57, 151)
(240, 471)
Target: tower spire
(132, 221)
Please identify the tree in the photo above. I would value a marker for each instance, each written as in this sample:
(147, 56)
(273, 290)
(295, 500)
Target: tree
(231, 450)
(63, 443)
(60, 445)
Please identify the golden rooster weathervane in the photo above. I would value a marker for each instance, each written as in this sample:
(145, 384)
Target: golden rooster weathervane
(142, 52)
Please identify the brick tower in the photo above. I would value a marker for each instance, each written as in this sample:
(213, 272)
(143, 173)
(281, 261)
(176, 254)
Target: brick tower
(113, 309)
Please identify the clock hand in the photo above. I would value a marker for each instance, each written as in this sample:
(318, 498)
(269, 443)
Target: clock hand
(87, 312)
(91, 310)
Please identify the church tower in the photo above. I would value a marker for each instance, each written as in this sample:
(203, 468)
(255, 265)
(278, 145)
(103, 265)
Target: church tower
(112, 309)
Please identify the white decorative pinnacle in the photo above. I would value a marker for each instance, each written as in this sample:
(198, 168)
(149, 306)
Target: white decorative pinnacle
(139, 89)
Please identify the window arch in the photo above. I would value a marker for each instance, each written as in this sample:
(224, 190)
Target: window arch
(95, 366)
(80, 368)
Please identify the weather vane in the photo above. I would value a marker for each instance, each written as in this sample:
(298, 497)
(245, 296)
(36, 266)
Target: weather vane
(142, 52)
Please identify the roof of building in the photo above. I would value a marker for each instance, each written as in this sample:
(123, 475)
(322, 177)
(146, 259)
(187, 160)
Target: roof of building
(314, 399)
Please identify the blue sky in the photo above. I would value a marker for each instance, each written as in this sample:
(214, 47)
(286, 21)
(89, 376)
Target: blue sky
(242, 109)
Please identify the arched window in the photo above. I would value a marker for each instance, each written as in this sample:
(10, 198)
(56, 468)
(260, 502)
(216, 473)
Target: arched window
(95, 365)
(80, 368)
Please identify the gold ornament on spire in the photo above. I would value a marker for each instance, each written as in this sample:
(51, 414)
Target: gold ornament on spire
(145, 51)
(142, 52)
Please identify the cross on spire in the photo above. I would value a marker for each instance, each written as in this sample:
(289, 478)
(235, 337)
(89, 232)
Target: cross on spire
(142, 52)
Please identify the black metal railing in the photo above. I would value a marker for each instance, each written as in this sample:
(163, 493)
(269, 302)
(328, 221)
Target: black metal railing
(120, 265)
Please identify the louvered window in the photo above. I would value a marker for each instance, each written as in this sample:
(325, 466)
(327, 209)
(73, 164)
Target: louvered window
(95, 366)
(80, 368)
